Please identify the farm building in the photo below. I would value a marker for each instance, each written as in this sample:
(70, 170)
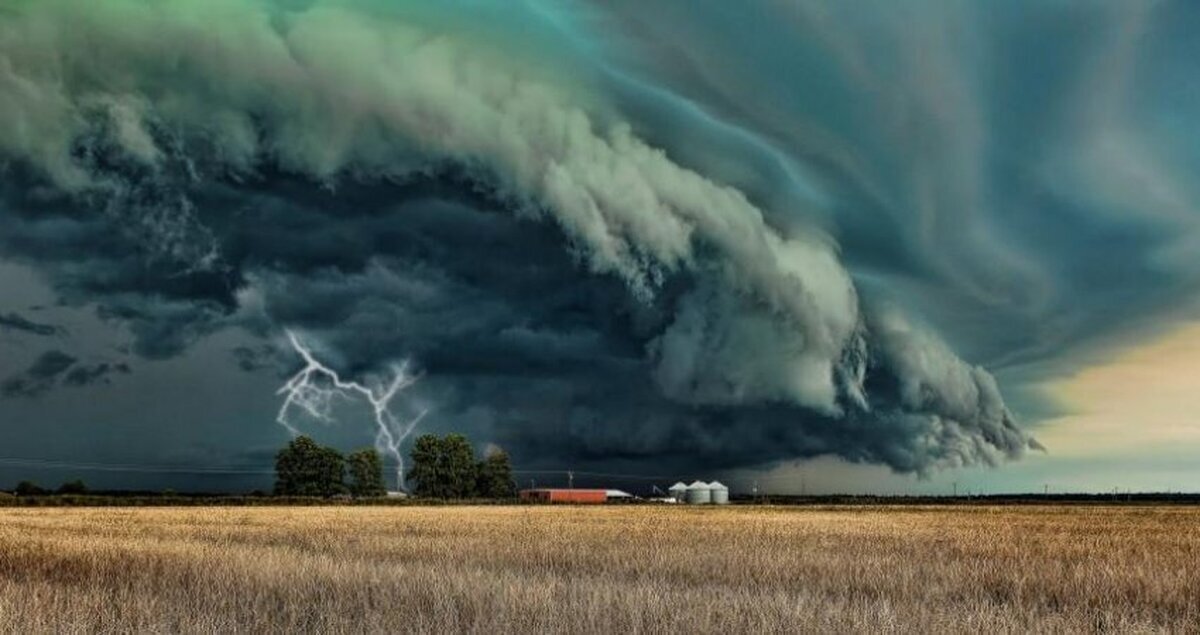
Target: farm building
(701, 493)
(565, 495)
(698, 493)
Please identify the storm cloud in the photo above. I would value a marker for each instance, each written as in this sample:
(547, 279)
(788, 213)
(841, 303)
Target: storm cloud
(40, 377)
(17, 322)
(600, 254)
(84, 375)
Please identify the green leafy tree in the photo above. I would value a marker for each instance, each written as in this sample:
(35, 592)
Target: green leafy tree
(28, 488)
(495, 477)
(303, 468)
(426, 467)
(443, 467)
(332, 471)
(460, 466)
(73, 487)
(366, 473)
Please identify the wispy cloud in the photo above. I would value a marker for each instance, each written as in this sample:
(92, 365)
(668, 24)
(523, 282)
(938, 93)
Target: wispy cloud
(40, 377)
(16, 322)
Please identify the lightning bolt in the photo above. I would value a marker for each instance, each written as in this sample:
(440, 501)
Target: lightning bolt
(315, 387)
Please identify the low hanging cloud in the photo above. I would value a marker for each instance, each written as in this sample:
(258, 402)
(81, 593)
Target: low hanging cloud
(40, 377)
(15, 322)
(86, 375)
(55, 368)
(395, 188)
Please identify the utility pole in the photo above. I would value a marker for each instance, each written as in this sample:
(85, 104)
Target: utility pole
(1045, 489)
(755, 490)
(803, 485)
(570, 479)
(955, 489)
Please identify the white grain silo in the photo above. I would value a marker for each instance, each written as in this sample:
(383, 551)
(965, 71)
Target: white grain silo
(719, 493)
(678, 491)
(698, 493)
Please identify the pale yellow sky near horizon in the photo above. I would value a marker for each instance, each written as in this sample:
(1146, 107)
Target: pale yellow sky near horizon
(1145, 399)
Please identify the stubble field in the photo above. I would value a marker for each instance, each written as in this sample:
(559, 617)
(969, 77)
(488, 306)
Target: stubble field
(600, 569)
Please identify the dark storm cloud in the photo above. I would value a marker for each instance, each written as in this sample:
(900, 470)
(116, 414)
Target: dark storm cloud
(252, 359)
(40, 377)
(17, 322)
(656, 252)
(84, 375)
(1014, 173)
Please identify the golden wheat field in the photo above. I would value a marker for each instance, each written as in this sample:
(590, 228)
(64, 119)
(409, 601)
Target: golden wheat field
(600, 569)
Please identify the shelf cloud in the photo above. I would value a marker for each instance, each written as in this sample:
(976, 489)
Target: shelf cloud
(615, 249)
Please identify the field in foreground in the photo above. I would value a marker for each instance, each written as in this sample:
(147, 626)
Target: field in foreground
(600, 569)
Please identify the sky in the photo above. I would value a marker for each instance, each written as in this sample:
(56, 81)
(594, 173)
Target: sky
(866, 247)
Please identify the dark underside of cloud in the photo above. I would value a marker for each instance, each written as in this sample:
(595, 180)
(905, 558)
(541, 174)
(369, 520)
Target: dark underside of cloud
(575, 280)
(45, 373)
(15, 322)
(39, 377)
(515, 337)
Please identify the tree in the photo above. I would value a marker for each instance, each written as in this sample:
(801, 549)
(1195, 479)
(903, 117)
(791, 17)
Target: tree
(73, 487)
(425, 470)
(495, 478)
(303, 468)
(366, 473)
(443, 467)
(28, 488)
(460, 466)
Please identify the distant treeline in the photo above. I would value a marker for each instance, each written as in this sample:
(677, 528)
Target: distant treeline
(446, 469)
(150, 499)
(442, 468)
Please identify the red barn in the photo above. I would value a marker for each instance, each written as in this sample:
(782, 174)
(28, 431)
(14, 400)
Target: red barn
(591, 496)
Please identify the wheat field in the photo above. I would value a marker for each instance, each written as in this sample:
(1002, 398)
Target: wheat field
(600, 569)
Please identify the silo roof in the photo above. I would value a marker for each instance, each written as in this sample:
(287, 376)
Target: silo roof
(679, 485)
(716, 485)
(698, 485)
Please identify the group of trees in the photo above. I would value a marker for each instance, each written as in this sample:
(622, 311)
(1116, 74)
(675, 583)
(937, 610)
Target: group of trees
(442, 467)
(303, 468)
(28, 488)
(446, 467)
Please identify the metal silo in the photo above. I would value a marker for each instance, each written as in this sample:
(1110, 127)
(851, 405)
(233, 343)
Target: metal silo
(678, 491)
(698, 493)
(720, 493)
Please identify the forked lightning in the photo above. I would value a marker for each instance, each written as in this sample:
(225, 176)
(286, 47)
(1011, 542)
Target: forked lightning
(314, 388)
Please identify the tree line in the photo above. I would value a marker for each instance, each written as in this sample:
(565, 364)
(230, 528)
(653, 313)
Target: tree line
(303, 468)
(29, 488)
(446, 467)
(442, 467)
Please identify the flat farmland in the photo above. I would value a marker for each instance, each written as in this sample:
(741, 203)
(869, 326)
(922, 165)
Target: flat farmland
(600, 569)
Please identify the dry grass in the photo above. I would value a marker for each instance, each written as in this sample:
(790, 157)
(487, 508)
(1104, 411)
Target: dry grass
(600, 569)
